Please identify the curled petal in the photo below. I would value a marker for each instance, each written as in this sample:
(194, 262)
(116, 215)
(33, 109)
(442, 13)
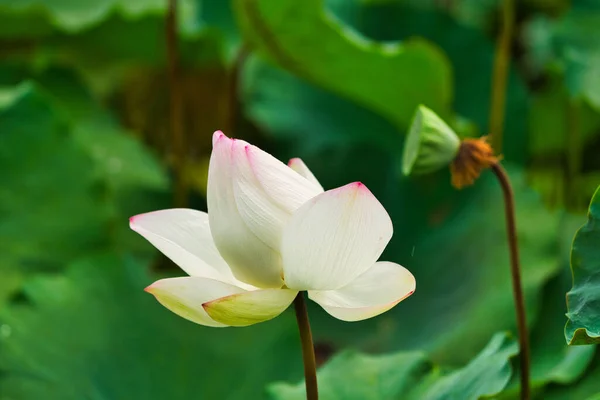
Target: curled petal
(267, 192)
(298, 165)
(249, 308)
(250, 259)
(183, 235)
(251, 196)
(376, 291)
(334, 238)
(184, 296)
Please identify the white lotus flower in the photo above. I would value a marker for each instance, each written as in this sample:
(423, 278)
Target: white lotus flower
(270, 232)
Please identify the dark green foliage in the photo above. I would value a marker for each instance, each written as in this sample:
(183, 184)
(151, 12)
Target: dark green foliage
(84, 144)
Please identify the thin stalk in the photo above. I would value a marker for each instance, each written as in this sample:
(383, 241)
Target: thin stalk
(515, 269)
(308, 349)
(500, 75)
(176, 108)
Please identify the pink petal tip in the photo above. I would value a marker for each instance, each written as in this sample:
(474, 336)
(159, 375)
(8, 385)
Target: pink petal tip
(406, 296)
(216, 136)
(361, 186)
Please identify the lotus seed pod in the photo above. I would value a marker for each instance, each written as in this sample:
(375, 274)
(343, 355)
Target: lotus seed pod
(430, 144)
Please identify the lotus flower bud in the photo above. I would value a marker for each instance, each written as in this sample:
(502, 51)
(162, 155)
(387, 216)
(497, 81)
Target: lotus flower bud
(430, 145)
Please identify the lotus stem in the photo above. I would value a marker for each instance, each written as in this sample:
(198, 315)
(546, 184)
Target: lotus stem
(500, 74)
(515, 269)
(308, 349)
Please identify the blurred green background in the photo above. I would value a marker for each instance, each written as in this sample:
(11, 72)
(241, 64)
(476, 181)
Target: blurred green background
(86, 141)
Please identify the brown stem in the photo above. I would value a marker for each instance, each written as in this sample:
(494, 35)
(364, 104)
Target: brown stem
(500, 74)
(176, 109)
(308, 349)
(511, 231)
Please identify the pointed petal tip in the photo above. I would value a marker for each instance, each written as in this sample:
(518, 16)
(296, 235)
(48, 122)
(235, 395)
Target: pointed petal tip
(361, 186)
(294, 161)
(401, 299)
(301, 168)
(207, 305)
(136, 219)
(211, 303)
(132, 222)
(357, 187)
(353, 185)
(218, 135)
